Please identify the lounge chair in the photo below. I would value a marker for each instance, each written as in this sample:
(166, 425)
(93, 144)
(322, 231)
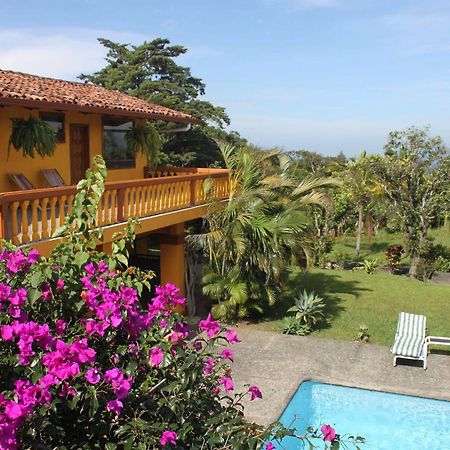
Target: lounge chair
(410, 341)
(52, 178)
(20, 181)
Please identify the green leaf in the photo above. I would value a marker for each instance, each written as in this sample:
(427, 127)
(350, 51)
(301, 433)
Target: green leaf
(81, 258)
(36, 279)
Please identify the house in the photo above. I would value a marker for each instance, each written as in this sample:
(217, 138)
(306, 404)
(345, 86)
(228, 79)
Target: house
(92, 120)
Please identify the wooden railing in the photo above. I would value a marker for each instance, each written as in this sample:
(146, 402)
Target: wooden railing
(34, 215)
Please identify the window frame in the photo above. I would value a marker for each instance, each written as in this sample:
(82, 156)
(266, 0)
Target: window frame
(112, 164)
(61, 135)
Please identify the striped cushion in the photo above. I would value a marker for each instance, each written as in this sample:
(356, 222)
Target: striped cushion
(410, 336)
(408, 346)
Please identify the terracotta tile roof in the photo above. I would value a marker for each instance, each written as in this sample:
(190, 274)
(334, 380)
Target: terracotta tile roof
(26, 90)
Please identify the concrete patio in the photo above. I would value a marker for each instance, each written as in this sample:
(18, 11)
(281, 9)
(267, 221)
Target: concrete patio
(278, 363)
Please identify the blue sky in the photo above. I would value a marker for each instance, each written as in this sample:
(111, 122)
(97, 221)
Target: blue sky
(325, 75)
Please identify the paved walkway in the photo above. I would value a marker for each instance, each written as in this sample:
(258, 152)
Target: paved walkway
(278, 363)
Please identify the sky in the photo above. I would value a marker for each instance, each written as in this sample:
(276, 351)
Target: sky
(321, 75)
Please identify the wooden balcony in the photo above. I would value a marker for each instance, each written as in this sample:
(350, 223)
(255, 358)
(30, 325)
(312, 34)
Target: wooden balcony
(171, 196)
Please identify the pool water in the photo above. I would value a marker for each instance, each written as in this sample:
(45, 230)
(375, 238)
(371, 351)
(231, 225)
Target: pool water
(386, 421)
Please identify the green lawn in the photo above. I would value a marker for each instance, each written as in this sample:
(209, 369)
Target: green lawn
(376, 247)
(356, 298)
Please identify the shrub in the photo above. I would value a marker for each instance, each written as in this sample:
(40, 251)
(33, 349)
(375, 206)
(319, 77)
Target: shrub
(363, 334)
(291, 325)
(442, 264)
(309, 308)
(394, 254)
(370, 265)
(341, 257)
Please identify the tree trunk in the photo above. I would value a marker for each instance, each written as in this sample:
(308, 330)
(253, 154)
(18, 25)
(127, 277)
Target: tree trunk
(369, 226)
(416, 261)
(359, 230)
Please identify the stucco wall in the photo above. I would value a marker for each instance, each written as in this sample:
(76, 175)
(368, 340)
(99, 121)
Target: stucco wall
(61, 158)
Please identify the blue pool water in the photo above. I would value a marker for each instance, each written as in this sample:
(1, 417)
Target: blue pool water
(387, 421)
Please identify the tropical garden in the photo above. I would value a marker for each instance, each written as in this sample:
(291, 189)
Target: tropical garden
(94, 355)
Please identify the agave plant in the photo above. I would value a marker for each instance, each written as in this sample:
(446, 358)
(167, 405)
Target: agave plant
(145, 140)
(309, 308)
(32, 135)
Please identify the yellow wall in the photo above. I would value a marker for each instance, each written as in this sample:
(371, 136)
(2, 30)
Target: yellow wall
(61, 158)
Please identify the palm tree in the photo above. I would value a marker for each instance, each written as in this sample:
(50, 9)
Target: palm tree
(262, 230)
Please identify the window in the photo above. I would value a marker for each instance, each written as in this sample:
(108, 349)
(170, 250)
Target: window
(115, 150)
(56, 121)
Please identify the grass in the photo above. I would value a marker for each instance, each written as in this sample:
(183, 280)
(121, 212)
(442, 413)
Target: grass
(375, 248)
(355, 298)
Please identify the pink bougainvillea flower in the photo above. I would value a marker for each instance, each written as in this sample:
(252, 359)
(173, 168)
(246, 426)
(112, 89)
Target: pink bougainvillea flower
(232, 337)
(254, 392)
(270, 446)
(60, 284)
(209, 364)
(168, 437)
(13, 410)
(60, 326)
(18, 298)
(329, 433)
(114, 406)
(5, 291)
(156, 356)
(7, 332)
(33, 256)
(227, 354)
(227, 383)
(93, 376)
(46, 292)
(209, 326)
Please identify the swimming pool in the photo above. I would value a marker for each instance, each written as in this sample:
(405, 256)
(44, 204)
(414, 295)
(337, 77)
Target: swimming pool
(387, 421)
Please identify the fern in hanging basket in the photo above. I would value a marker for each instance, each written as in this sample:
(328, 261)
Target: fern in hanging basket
(145, 140)
(32, 135)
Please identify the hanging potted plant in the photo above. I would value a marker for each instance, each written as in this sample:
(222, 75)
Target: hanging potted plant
(32, 135)
(145, 140)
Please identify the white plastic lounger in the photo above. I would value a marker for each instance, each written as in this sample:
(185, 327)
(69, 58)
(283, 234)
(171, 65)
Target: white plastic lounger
(437, 340)
(410, 341)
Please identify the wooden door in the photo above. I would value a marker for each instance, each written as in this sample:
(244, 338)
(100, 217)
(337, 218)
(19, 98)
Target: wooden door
(79, 152)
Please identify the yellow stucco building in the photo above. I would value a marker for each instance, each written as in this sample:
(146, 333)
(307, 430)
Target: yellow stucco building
(92, 120)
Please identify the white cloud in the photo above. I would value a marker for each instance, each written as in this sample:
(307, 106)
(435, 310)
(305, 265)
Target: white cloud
(58, 53)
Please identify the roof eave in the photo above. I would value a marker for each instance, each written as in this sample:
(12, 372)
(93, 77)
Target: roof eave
(40, 104)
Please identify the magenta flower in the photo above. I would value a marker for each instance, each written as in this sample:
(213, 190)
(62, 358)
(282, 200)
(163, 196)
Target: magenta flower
(209, 364)
(114, 406)
(227, 383)
(231, 337)
(329, 433)
(209, 326)
(60, 284)
(60, 326)
(270, 446)
(168, 437)
(156, 356)
(13, 410)
(93, 376)
(254, 392)
(227, 354)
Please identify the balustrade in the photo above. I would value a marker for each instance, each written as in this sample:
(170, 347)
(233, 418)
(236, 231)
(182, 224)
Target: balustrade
(35, 215)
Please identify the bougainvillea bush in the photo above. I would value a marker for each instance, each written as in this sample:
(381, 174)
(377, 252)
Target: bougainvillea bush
(90, 360)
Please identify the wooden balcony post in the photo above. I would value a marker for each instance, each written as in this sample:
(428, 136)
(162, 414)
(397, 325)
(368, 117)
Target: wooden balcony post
(120, 204)
(193, 189)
